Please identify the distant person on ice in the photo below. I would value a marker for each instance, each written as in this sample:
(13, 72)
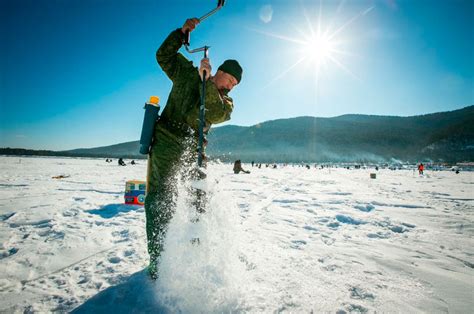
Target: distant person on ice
(238, 167)
(176, 133)
(421, 167)
(121, 162)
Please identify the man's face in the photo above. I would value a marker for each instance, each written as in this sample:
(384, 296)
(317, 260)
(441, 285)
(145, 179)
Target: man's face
(224, 81)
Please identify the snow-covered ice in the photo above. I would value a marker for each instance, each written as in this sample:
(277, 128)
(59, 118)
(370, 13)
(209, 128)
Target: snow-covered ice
(289, 239)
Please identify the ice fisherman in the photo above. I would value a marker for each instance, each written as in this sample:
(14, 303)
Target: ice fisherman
(176, 133)
(238, 167)
(421, 168)
(121, 162)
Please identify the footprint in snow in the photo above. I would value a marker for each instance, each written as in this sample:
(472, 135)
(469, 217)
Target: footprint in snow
(333, 225)
(379, 235)
(367, 208)
(349, 220)
(323, 220)
(340, 193)
(398, 229)
(297, 244)
(408, 225)
(327, 240)
(8, 253)
(6, 216)
(354, 308)
(331, 267)
(248, 265)
(83, 280)
(360, 294)
(128, 253)
(310, 228)
(115, 259)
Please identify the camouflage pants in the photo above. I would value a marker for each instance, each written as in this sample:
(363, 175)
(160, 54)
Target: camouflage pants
(169, 158)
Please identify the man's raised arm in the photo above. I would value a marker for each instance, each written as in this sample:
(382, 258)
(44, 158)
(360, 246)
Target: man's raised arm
(168, 57)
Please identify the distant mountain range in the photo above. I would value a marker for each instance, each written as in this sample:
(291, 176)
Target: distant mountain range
(444, 136)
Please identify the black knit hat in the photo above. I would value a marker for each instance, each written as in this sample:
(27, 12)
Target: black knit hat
(233, 68)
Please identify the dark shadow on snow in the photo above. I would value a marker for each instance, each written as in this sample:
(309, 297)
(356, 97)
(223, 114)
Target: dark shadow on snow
(135, 295)
(112, 210)
(6, 216)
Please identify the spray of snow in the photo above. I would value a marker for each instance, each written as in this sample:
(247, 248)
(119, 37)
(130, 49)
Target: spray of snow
(204, 276)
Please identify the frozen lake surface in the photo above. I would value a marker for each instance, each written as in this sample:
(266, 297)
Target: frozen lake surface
(289, 239)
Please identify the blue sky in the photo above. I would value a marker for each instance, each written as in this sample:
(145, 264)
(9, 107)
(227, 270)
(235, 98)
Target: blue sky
(75, 73)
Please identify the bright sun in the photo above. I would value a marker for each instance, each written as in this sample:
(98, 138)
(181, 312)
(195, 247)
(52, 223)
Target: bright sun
(318, 49)
(318, 46)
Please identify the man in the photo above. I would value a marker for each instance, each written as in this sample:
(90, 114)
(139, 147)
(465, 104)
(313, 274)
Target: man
(176, 133)
(238, 167)
(421, 167)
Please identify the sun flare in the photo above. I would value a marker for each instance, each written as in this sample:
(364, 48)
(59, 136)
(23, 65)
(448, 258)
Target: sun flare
(319, 45)
(318, 49)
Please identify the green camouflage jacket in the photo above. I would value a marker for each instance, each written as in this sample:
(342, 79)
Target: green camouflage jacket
(182, 108)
